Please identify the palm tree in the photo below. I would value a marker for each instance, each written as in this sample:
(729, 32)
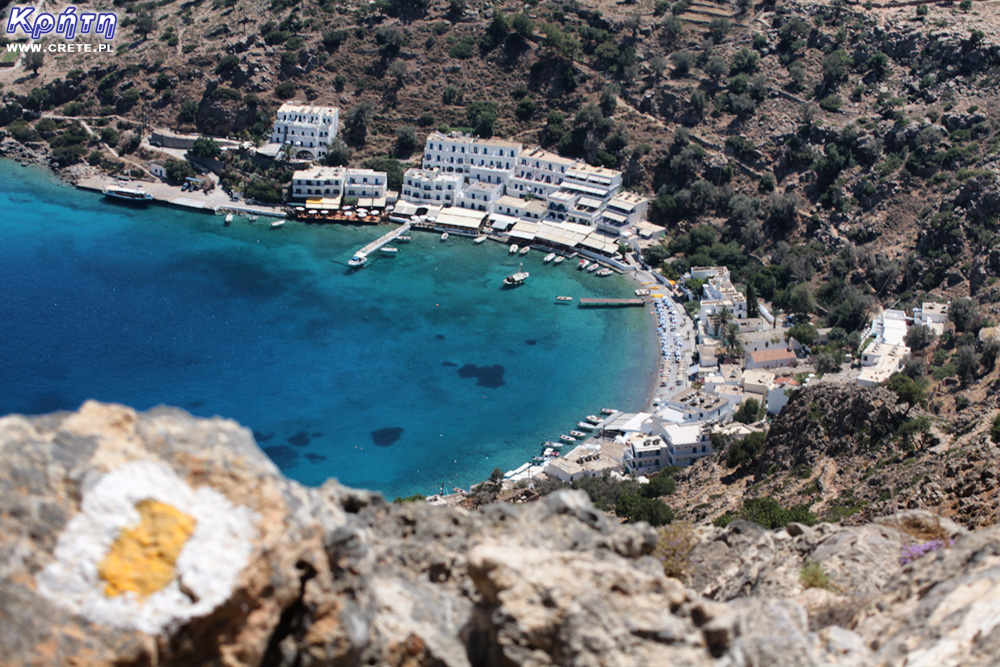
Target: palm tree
(723, 315)
(731, 339)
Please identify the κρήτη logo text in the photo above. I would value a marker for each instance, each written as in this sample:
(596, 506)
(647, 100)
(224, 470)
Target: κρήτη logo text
(67, 23)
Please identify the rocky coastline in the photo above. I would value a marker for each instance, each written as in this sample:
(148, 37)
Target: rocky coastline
(338, 576)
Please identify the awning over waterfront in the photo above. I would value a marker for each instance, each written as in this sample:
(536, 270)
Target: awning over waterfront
(459, 218)
(524, 230)
(501, 222)
(330, 203)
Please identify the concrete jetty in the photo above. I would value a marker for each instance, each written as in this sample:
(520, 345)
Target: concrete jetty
(212, 202)
(388, 237)
(610, 302)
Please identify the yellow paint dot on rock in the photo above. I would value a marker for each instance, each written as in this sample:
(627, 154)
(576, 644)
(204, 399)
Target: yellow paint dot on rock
(142, 559)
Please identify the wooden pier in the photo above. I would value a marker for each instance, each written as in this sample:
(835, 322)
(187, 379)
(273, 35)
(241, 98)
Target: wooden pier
(610, 302)
(383, 240)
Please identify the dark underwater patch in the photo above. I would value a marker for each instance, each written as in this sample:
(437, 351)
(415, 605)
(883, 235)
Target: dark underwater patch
(300, 439)
(486, 376)
(531, 341)
(449, 364)
(194, 405)
(315, 458)
(282, 455)
(386, 437)
(440, 336)
(260, 436)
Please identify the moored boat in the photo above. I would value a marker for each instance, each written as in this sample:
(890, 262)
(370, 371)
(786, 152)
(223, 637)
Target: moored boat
(593, 267)
(585, 426)
(567, 438)
(135, 195)
(517, 278)
(582, 264)
(564, 298)
(229, 219)
(642, 292)
(594, 418)
(607, 411)
(512, 249)
(560, 259)
(479, 239)
(359, 259)
(578, 434)
(404, 238)
(548, 258)
(605, 272)
(277, 223)
(444, 236)
(524, 250)
(389, 250)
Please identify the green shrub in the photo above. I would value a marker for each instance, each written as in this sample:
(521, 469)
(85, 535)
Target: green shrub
(674, 544)
(812, 576)
(768, 513)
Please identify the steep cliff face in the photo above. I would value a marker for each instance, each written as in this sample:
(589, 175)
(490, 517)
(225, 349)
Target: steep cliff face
(157, 538)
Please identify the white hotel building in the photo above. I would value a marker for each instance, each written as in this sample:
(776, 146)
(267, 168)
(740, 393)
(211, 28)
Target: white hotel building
(333, 182)
(431, 186)
(309, 129)
(539, 172)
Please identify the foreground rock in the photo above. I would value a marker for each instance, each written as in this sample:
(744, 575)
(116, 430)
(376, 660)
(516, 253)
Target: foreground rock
(157, 538)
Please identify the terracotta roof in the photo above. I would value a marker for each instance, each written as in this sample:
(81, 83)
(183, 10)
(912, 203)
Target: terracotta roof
(778, 354)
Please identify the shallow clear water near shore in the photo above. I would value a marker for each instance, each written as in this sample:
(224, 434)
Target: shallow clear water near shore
(412, 373)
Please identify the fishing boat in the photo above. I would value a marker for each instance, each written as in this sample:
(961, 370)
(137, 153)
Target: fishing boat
(594, 418)
(277, 223)
(512, 249)
(585, 426)
(229, 219)
(404, 239)
(517, 278)
(548, 258)
(564, 298)
(525, 249)
(582, 264)
(567, 438)
(607, 411)
(560, 259)
(578, 434)
(479, 239)
(605, 272)
(135, 195)
(593, 267)
(359, 259)
(444, 236)
(389, 250)
(642, 292)
(552, 443)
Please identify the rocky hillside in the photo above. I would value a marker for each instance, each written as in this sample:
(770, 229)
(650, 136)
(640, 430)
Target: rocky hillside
(157, 538)
(846, 453)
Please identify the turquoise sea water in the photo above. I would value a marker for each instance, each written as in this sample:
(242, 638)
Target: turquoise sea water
(415, 372)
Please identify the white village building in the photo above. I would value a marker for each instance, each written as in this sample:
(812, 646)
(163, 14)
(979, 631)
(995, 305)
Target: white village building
(308, 129)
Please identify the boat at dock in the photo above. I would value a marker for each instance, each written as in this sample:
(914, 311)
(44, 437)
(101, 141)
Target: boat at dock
(560, 259)
(605, 272)
(444, 236)
(567, 438)
(229, 219)
(517, 278)
(585, 426)
(594, 418)
(512, 249)
(564, 298)
(593, 267)
(552, 443)
(642, 292)
(389, 250)
(359, 259)
(582, 264)
(548, 258)
(524, 250)
(277, 223)
(479, 239)
(578, 434)
(404, 239)
(135, 195)
(608, 411)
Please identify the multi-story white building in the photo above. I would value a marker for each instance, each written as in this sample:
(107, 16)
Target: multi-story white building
(539, 173)
(880, 361)
(594, 182)
(686, 443)
(307, 128)
(479, 195)
(623, 210)
(492, 160)
(524, 209)
(431, 186)
(447, 152)
(692, 405)
(332, 182)
(644, 454)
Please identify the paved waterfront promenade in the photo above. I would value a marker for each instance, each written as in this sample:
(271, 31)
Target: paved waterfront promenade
(170, 194)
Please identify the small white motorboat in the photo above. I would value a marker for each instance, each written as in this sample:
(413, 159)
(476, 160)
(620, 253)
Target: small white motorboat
(512, 249)
(605, 272)
(594, 418)
(607, 411)
(585, 426)
(444, 237)
(277, 223)
(479, 239)
(524, 250)
(593, 267)
(358, 260)
(389, 250)
(548, 258)
(567, 438)
(582, 264)
(229, 219)
(564, 298)
(560, 259)
(578, 434)
(404, 239)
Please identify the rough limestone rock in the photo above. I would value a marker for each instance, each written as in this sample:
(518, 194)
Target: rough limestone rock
(161, 539)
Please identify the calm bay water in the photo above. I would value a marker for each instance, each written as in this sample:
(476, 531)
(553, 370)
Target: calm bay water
(412, 373)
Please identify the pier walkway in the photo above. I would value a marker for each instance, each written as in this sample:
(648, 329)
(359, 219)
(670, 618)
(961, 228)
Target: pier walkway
(610, 302)
(384, 239)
